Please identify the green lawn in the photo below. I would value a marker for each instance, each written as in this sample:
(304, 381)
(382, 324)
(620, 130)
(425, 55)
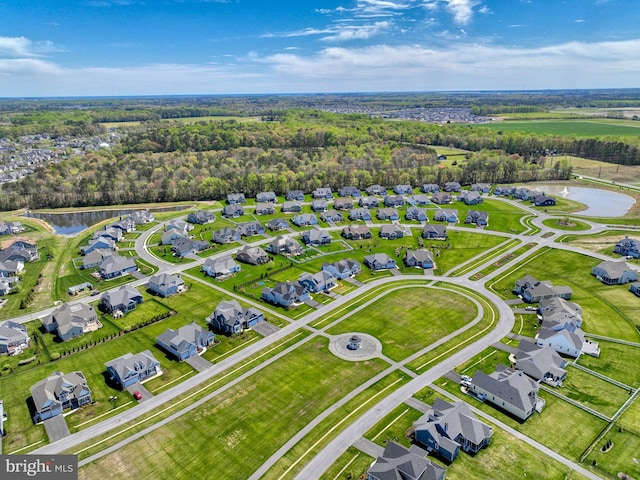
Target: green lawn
(577, 127)
(245, 425)
(394, 426)
(409, 319)
(614, 362)
(565, 224)
(503, 216)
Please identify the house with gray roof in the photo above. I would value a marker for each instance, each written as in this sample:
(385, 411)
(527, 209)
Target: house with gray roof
(266, 208)
(316, 237)
(331, 216)
(10, 228)
(126, 224)
(356, 232)
(434, 232)
(142, 216)
(533, 291)
(349, 192)
(430, 188)
(628, 247)
(252, 255)
(544, 200)
(187, 341)
(115, 266)
(11, 268)
(179, 225)
(183, 247)
(524, 193)
(286, 294)
(292, 207)
(379, 261)
(446, 215)
(322, 192)
(391, 231)
(393, 201)
(441, 198)
(201, 217)
(342, 269)
(278, 224)
(543, 364)
(220, 267)
(369, 202)
(400, 463)
(470, 197)
(376, 190)
(343, 203)
(419, 258)
(165, 284)
(71, 321)
(100, 243)
(447, 428)
(14, 338)
(130, 369)
(59, 392)
(248, 229)
(262, 197)
(359, 214)
(504, 190)
(635, 288)
(231, 318)
(480, 219)
(387, 214)
(418, 200)
(235, 198)
(226, 235)
(481, 187)
(452, 187)
(403, 189)
(113, 233)
(121, 301)
(559, 310)
(508, 389)
(318, 282)
(567, 341)
(170, 236)
(611, 272)
(234, 210)
(415, 213)
(284, 245)
(297, 195)
(7, 284)
(304, 219)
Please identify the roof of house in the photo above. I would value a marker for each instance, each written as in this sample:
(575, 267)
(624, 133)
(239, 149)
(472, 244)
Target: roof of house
(11, 332)
(165, 280)
(400, 463)
(508, 384)
(420, 255)
(614, 269)
(56, 384)
(536, 361)
(116, 263)
(183, 337)
(70, 313)
(220, 264)
(122, 296)
(129, 363)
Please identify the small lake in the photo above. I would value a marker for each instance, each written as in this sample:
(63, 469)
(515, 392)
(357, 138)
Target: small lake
(70, 223)
(600, 203)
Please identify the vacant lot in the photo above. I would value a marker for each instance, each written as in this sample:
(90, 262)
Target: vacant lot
(578, 128)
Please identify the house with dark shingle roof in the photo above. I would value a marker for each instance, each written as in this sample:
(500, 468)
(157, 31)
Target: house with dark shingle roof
(13, 338)
(349, 192)
(379, 261)
(286, 294)
(115, 265)
(480, 219)
(540, 363)
(234, 210)
(403, 189)
(452, 187)
(165, 284)
(611, 272)
(220, 267)
(441, 198)
(400, 463)
(101, 243)
(387, 214)
(248, 229)
(343, 203)
(418, 200)
(429, 188)
(470, 197)
(415, 213)
(481, 187)
(544, 200)
(187, 341)
(446, 215)
(534, 291)
(393, 201)
(391, 231)
(437, 232)
(322, 192)
(628, 247)
(113, 233)
(129, 368)
(504, 190)
(319, 205)
(123, 300)
(252, 255)
(331, 216)
(235, 198)
(231, 318)
(278, 224)
(71, 321)
(266, 208)
(297, 195)
(59, 392)
(447, 428)
(376, 190)
(419, 258)
(342, 269)
(201, 217)
(226, 235)
(183, 247)
(356, 232)
(318, 282)
(369, 202)
(291, 207)
(359, 214)
(266, 197)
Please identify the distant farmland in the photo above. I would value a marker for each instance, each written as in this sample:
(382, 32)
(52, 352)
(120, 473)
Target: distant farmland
(578, 128)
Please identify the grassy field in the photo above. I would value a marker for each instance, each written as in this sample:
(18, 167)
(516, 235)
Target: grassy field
(237, 432)
(409, 319)
(601, 242)
(565, 224)
(604, 170)
(614, 362)
(574, 127)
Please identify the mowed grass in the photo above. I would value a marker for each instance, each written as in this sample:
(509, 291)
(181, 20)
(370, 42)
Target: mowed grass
(575, 127)
(614, 362)
(408, 319)
(503, 216)
(241, 428)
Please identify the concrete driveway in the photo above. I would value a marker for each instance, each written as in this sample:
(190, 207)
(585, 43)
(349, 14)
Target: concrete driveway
(56, 428)
(199, 363)
(265, 328)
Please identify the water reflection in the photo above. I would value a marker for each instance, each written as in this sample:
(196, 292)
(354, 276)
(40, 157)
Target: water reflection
(600, 203)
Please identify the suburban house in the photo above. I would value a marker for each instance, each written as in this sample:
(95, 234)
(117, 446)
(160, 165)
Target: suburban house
(201, 217)
(126, 224)
(356, 232)
(635, 288)
(182, 247)
(393, 201)
(291, 207)
(400, 463)
(297, 195)
(441, 198)
(278, 224)
(141, 217)
(387, 214)
(524, 193)
(415, 213)
(226, 235)
(628, 247)
(10, 228)
(567, 341)
(284, 245)
(419, 258)
(470, 197)
(446, 215)
(319, 205)
(11, 268)
(391, 231)
(434, 232)
(379, 261)
(121, 301)
(165, 284)
(611, 272)
(316, 237)
(376, 190)
(252, 255)
(231, 318)
(186, 341)
(543, 364)
(343, 203)
(543, 200)
(7, 284)
(369, 202)
(113, 233)
(481, 219)
(403, 189)
(235, 198)
(170, 236)
(322, 192)
(318, 282)
(331, 216)
(342, 269)
(70, 321)
(220, 267)
(429, 188)
(304, 219)
(234, 210)
(59, 392)
(130, 369)
(504, 190)
(286, 294)
(349, 192)
(266, 208)
(359, 214)
(447, 428)
(14, 338)
(533, 291)
(266, 197)
(115, 265)
(481, 187)
(248, 229)
(558, 310)
(19, 249)
(179, 226)
(508, 389)
(101, 243)
(452, 187)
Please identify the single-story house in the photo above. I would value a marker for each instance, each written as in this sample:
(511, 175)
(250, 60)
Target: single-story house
(231, 318)
(304, 219)
(13, 338)
(342, 269)
(286, 294)
(446, 215)
(220, 267)
(318, 282)
(441, 198)
(369, 202)
(393, 201)
(234, 198)
(611, 272)
(356, 232)
(349, 192)
(284, 245)
(226, 235)
(129, 369)
(543, 200)
(446, 428)
(234, 210)
(291, 207)
(359, 214)
(322, 192)
(297, 195)
(165, 284)
(320, 205)
(331, 216)
(415, 213)
(252, 255)
(265, 209)
(628, 247)
(262, 197)
(391, 231)
(278, 224)
(481, 219)
(452, 187)
(115, 265)
(123, 300)
(71, 321)
(379, 261)
(429, 188)
(316, 237)
(59, 392)
(419, 258)
(534, 291)
(376, 190)
(201, 217)
(400, 463)
(343, 203)
(186, 341)
(540, 363)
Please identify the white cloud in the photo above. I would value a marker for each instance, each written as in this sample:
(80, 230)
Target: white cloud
(362, 32)
(580, 20)
(462, 10)
(23, 47)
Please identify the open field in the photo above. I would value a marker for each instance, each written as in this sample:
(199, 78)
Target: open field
(575, 127)
(614, 362)
(604, 170)
(601, 242)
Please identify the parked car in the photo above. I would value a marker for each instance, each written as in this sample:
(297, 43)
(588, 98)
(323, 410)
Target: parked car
(137, 395)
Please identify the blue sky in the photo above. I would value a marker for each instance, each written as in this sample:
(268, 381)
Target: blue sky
(151, 47)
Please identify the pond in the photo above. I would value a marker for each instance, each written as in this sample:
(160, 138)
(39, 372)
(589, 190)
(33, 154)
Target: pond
(70, 223)
(600, 203)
